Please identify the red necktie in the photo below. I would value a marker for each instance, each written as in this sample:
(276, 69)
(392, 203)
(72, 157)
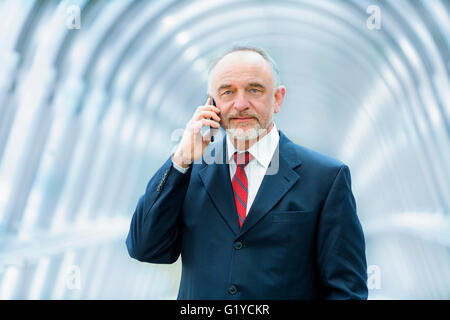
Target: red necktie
(240, 184)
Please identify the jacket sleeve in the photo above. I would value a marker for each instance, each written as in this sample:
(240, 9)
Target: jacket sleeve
(154, 233)
(341, 258)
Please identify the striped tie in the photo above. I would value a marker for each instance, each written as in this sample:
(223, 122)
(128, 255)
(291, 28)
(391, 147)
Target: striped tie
(240, 184)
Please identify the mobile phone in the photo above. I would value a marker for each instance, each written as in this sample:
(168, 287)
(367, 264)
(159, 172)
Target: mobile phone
(211, 128)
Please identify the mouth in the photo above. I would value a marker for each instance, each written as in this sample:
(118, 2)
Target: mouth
(242, 119)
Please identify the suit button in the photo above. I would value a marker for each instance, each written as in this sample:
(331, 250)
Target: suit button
(237, 245)
(232, 289)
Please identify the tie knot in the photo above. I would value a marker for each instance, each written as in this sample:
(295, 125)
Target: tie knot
(242, 158)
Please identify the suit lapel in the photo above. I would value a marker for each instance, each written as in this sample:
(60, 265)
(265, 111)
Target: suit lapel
(274, 186)
(217, 182)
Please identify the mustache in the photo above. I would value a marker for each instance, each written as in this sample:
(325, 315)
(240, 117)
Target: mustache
(242, 115)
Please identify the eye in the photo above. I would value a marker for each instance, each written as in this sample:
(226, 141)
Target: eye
(227, 92)
(254, 90)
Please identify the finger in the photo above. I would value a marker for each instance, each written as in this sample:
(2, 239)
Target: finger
(211, 123)
(208, 107)
(208, 101)
(207, 136)
(201, 109)
(207, 114)
(204, 123)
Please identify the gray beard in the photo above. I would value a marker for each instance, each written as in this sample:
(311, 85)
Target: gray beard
(240, 135)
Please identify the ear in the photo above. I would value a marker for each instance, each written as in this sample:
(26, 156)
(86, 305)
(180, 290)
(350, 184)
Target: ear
(280, 92)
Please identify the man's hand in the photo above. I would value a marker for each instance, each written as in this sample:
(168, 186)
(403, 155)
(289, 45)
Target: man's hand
(193, 144)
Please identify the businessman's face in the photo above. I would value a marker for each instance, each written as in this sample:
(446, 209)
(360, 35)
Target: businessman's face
(242, 85)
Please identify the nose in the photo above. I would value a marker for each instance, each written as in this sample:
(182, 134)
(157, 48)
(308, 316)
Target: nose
(241, 102)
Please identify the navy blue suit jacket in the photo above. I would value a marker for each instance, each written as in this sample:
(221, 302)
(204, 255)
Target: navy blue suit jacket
(301, 238)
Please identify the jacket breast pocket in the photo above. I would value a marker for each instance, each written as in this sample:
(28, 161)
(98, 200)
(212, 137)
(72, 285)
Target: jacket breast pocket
(292, 216)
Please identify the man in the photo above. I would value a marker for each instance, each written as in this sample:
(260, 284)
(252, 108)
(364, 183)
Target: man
(267, 219)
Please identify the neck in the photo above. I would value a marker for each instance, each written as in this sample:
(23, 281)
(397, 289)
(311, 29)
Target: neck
(242, 145)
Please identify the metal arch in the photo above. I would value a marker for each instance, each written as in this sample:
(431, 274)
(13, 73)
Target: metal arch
(397, 93)
(145, 69)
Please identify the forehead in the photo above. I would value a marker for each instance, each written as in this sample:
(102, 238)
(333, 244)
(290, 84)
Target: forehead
(241, 67)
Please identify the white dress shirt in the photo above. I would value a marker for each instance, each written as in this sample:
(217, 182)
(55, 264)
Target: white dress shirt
(262, 152)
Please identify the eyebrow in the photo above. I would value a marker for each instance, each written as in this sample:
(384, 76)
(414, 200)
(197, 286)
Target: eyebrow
(256, 84)
(224, 86)
(251, 84)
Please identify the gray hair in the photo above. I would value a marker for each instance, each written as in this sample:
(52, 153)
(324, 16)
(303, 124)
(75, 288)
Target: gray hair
(260, 51)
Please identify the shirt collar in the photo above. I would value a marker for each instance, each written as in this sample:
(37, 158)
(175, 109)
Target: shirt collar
(262, 150)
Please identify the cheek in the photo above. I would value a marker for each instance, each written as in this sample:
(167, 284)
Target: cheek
(223, 115)
(264, 112)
